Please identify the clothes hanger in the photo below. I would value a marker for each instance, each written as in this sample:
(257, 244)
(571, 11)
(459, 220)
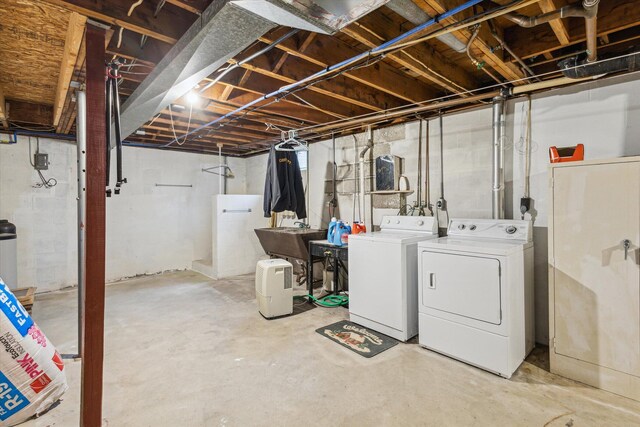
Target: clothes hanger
(290, 142)
(228, 173)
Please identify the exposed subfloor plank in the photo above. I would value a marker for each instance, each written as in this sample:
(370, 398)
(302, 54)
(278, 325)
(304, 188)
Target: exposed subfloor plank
(183, 350)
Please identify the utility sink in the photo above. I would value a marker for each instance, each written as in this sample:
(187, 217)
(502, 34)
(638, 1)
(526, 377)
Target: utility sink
(290, 242)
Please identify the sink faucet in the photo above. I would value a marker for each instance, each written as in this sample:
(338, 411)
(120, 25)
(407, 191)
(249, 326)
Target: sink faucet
(301, 224)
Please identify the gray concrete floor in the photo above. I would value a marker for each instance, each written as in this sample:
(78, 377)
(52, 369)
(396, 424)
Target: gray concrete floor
(183, 350)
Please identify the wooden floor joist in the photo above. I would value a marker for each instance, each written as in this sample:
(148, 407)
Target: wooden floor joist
(75, 32)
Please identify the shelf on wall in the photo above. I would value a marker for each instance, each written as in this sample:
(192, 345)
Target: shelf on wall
(391, 192)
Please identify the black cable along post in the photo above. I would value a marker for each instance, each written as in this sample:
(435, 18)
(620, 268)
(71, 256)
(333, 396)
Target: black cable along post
(113, 113)
(108, 114)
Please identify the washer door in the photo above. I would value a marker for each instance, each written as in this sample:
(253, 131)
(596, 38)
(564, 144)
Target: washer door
(462, 285)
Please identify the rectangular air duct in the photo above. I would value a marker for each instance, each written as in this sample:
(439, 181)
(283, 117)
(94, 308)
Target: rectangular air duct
(223, 30)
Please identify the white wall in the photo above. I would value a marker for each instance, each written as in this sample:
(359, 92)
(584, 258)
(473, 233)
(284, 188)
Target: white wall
(603, 115)
(149, 229)
(236, 248)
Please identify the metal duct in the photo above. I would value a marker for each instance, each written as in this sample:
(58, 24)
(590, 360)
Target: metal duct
(497, 195)
(223, 30)
(578, 68)
(320, 16)
(588, 10)
(412, 13)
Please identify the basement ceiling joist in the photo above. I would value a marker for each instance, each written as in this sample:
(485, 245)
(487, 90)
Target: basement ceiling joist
(34, 33)
(613, 15)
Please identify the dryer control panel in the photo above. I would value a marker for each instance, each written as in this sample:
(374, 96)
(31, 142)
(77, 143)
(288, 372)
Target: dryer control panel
(504, 229)
(410, 223)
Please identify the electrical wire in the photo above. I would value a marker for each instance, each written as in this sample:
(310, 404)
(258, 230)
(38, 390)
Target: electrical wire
(433, 100)
(284, 94)
(188, 125)
(46, 183)
(40, 129)
(450, 96)
(452, 27)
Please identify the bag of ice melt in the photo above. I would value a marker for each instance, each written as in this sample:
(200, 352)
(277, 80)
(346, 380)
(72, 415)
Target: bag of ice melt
(31, 370)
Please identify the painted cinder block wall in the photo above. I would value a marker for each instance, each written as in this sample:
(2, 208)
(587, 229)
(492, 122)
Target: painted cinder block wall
(149, 229)
(603, 115)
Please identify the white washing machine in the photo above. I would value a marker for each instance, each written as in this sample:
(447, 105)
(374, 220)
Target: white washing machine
(476, 293)
(383, 275)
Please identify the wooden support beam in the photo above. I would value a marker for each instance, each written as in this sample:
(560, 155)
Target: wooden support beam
(375, 29)
(283, 109)
(29, 112)
(613, 16)
(197, 8)
(324, 51)
(150, 53)
(203, 116)
(340, 87)
(261, 84)
(181, 128)
(229, 89)
(280, 62)
(167, 26)
(3, 111)
(557, 25)
(94, 292)
(75, 32)
(481, 48)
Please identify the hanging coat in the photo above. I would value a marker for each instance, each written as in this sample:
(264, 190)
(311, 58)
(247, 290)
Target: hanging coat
(283, 189)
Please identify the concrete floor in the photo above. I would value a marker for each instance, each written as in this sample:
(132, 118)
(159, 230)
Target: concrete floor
(183, 350)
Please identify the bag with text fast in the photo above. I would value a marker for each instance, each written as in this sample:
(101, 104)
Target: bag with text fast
(31, 370)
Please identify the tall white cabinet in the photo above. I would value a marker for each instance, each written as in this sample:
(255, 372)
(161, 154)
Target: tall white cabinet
(594, 273)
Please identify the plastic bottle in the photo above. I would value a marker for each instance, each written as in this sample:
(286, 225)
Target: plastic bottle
(344, 237)
(341, 229)
(332, 229)
(358, 227)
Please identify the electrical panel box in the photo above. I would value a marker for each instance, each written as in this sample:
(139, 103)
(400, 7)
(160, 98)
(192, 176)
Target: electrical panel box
(41, 161)
(387, 172)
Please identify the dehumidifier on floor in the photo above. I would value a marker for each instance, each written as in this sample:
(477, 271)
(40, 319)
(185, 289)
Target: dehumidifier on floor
(274, 287)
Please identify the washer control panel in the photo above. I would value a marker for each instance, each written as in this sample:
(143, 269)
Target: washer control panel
(410, 223)
(507, 229)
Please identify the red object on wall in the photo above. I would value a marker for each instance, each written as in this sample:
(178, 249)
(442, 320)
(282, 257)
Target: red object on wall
(566, 154)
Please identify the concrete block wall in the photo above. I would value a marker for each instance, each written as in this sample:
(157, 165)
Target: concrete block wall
(149, 229)
(603, 115)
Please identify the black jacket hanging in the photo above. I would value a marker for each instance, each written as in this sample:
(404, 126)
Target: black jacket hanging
(283, 189)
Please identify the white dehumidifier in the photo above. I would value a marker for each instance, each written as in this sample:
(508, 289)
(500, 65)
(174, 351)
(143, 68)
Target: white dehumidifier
(274, 287)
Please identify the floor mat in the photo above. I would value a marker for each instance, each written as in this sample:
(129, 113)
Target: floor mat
(357, 338)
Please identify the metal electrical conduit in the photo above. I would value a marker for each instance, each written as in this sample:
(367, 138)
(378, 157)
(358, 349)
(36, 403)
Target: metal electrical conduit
(244, 61)
(339, 65)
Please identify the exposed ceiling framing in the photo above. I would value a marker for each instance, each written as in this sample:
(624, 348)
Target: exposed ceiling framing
(44, 53)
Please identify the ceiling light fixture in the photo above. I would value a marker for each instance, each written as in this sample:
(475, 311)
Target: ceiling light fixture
(192, 98)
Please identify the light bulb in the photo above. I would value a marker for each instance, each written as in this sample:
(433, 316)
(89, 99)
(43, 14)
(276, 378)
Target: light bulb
(192, 98)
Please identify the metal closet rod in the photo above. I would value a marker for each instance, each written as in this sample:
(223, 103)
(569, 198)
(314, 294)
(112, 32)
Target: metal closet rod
(340, 65)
